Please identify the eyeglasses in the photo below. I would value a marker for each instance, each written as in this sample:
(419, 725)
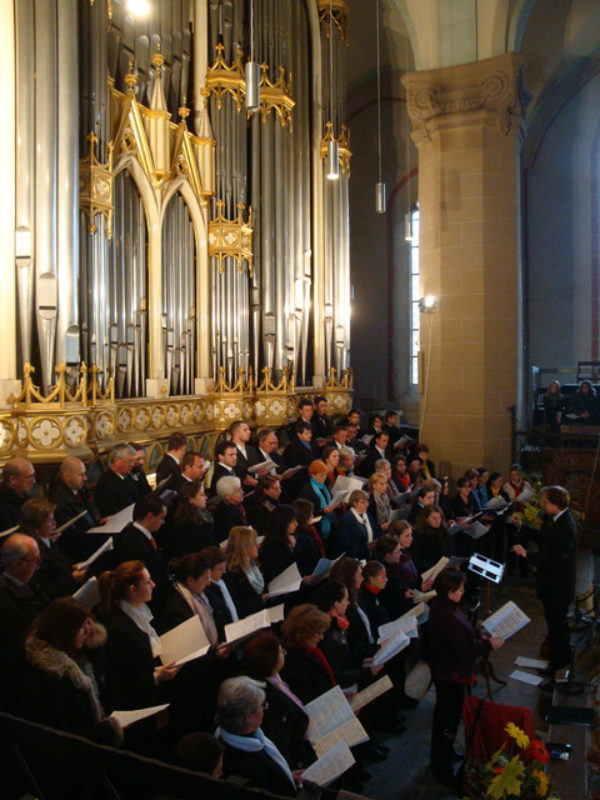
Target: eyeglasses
(265, 706)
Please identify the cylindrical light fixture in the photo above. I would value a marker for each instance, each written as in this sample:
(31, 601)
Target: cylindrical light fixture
(252, 71)
(380, 204)
(333, 160)
(407, 228)
(380, 201)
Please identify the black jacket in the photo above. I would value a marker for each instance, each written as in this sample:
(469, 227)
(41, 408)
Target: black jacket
(274, 559)
(113, 493)
(73, 542)
(429, 545)
(245, 599)
(345, 664)
(129, 666)
(374, 609)
(60, 693)
(227, 516)
(19, 606)
(189, 536)
(221, 614)
(133, 545)
(55, 573)
(555, 559)
(10, 507)
(305, 675)
(285, 723)
(258, 514)
(168, 468)
(259, 769)
(367, 466)
(220, 471)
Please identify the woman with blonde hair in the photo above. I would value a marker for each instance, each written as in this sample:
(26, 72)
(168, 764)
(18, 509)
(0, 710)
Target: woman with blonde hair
(243, 578)
(358, 529)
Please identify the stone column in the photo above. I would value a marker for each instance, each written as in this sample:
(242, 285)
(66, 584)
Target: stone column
(465, 120)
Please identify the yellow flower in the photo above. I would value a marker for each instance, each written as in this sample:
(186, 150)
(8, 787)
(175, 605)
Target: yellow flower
(518, 735)
(543, 782)
(508, 782)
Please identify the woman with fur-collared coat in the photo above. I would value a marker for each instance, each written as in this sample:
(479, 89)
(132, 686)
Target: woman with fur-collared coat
(60, 685)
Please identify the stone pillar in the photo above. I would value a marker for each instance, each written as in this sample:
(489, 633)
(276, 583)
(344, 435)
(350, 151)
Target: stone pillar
(465, 120)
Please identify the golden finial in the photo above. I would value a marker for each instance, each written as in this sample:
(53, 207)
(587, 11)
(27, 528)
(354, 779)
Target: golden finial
(131, 77)
(158, 59)
(184, 110)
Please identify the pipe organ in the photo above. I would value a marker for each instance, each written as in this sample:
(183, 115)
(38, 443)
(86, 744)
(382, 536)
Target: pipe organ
(172, 250)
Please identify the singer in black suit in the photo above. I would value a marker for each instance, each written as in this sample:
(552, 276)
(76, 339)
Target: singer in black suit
(555, 562)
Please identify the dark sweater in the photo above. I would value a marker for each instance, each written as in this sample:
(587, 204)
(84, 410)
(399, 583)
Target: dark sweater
(454, 645)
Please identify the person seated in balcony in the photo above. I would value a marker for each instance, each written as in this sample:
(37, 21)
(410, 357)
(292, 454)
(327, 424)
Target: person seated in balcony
(553, 407)
(585, 404)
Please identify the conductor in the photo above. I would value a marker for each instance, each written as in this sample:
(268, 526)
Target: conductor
(555, 562)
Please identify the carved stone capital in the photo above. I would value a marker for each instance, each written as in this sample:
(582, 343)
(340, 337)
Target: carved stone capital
(484, 93)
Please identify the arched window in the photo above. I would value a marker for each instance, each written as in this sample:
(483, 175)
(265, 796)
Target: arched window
(415, 293)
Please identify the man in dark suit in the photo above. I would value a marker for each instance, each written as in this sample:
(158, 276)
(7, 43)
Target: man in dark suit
(265, 448)
(137, 476)
(240, 436)
(301, 450)
(21, 600)
(193, 468)
(555, 562)
(226, 459)
(321, 424)
(71, 498)
(18, 476)
(113, 491)
(170, 465)
(377, 450)
(136, 542)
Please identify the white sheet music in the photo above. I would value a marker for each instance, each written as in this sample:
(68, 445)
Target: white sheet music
(247, 626)
(88, 594)
(506, 621)
(330, 766)
(531, 663)
(327, 712)
(70, 522)
(346, 484)
(116, 522)
(352, 732)
(288, 581)
(108, 545)
(433, 572)
(127, 718)
(370, 693)
(407, 624)
(276, 613)
(184, 642)
(526, 677)
(395, 644)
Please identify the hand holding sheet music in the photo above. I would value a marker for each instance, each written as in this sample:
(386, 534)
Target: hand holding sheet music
(116, 522)
(288, 581)
(330, 766)
(506, 621)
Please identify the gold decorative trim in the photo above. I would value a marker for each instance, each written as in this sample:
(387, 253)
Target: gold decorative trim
(134, 128)
(343, 141)
(276, 95)
(337, 11)
(83, 420)
(223, 80)
(95, 186)
(231, 238)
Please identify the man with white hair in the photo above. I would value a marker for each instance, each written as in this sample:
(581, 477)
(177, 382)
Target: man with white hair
(113, 492)
(18, 476)
(21, 600)
(230, 511)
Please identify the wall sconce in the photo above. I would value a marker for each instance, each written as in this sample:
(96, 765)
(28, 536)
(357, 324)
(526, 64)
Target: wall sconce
(428, 304)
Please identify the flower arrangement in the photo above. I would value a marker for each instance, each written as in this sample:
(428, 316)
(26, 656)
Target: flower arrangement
(532, 514)
(510, 773)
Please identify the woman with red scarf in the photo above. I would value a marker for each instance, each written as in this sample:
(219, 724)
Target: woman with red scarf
(306, 670)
